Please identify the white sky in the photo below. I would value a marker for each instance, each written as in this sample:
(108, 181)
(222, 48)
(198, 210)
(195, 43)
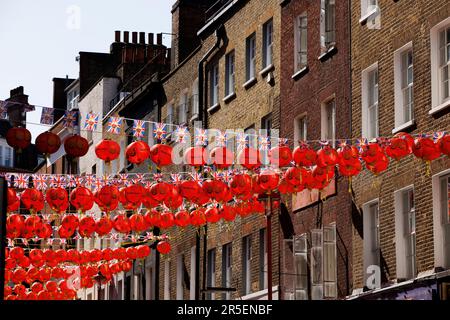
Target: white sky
(39, 40)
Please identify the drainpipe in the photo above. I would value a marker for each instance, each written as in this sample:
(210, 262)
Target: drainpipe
(349, 281)
(220, 35)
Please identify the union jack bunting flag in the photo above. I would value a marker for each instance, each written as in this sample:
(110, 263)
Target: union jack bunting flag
(158, 177)
(242, 140)
(8, 180)
(58, 181)
(89, 180)
(222, 138)
(180, 134)
(114, 125)
(47, 116)
(3, 112)
(98, 184)
(21, 180)
(176, 178)
(201, 137)
(324, 143)
(124, 180)
(139, 177)
(196, 176)
(138, 129)
(91, 121)
(344, 143)
(70, 119)
(74, 181)
(147, 184)
(438, 135)
(40, 181)
(160, 131)
(264, 143)
(217, 175)
(360, 143)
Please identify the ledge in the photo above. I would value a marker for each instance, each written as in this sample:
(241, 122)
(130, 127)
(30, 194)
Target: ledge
(229, 97)
(249, 83)
(266, 70)
(439, 108)
(364, 18)
(300, 73)
(214, 108)
(193, 118)
(332, 50)
(404, 126)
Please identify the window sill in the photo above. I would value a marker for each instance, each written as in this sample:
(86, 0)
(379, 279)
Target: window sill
(249, 83)
(229, 97)
(194, 117)
(266, 70)
(328, 54)
(404, 127)
(364, 18)
(300, 73)
(439, 108)
(214, 108)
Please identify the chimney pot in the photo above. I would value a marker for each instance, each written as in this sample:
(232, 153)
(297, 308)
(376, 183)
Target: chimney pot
(134, 36)
(150, 38)
(159, 38)
(117, 36)
(126, 36)
(142, 37)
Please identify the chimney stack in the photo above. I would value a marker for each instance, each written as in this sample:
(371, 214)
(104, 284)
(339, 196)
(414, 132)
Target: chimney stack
(159, 39)
(134, 36)
(141, 37)
(150, 38)
(126, 36)
(117, 38)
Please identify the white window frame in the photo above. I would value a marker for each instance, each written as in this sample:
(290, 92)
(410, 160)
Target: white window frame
(329, 262)
(366, 121)
(300, 252)
(183, 108)
(371, 230)
(227, 267)
(193, 275)
(170, 117)
(247, 265)
(438, 102)
(195, 107)
(250, 57)
(328, 115)
(211, 272)
(327, 37)
(180, 277)
(214, 85)
(400, 88)
(405, 237)
(300, 129)
(267, 50)
(263, 259)
(301, 42)
(230, 83)
(369, 8)
(316, 264)
(441, 232)
(166, 280)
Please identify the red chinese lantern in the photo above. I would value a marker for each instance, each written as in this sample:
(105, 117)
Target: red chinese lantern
(212, 215)
(322, 174)
(76, 146)
(48, 143)
(399, 146)
(126, 266)
(304, 155)
(182, 218)
(14, 225)
(16, 253)
(70, 222)
(198, 217)
(143, 251)
(221, 157)
(350, 168)
(280, 156)
(163, 247)
(327, 156)
(137, 223)
(371, 152)
(348, 154)
(32, 199)
(196, 156)
(18, 138)
(380, 165)
(228, 213)
(161, 155)
(268, 180)
(173, 200)
(65, 233)
(107, 198)
(131, 196)
(294, 175)
(189, 189)
(13, 201)
(160, 191)
(167, 220)
(425, 149)
(241, 184)
(147, 199)
(86, 227)
(137, 152)
(121, 224)
(250, 158)
(152, 218)
(43, 231)
(57, 199)
(103, 226)
(107, 150)
(82, 199)
(444, 144)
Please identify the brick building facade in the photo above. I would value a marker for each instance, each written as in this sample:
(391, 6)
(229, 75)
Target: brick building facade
(398, 64)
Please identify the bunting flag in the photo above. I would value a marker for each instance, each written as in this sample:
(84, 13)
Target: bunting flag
(139, 129)
(201, 137)
(176, 178)
(160, 131)
(124, 180)
(91, 121)
(89, 180)
(40, 181)
(115, 125)
(283, 141)
(21, 180)
(242, 141)
(139, 177)
(344, 143)
(58, 181)
(180, 134)
(222, 138)
(3, 111)
(98, 184)
(197, 177)
(264, 143)
(70, 119)
(47, 116)
(438, 135)
(74, 181)
(158, 177)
